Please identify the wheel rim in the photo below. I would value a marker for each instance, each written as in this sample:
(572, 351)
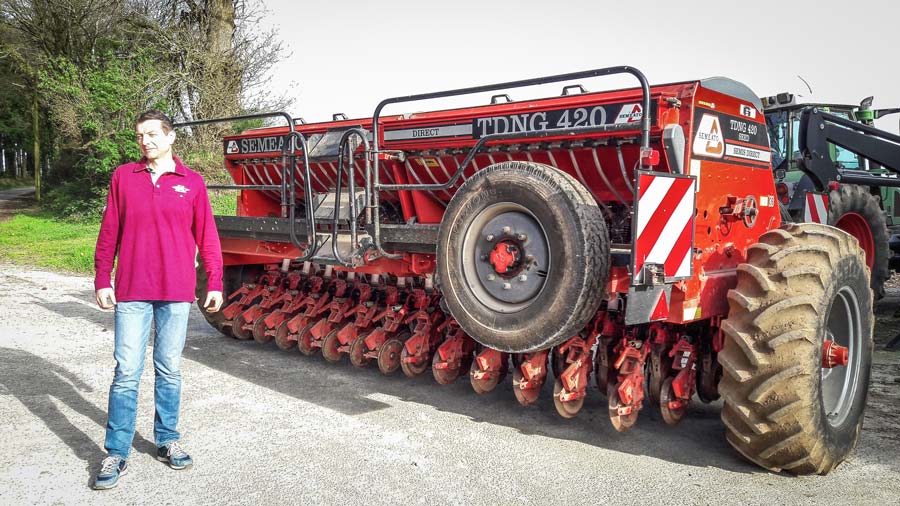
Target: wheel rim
(840, 384)
(857, 226)
(505, 257)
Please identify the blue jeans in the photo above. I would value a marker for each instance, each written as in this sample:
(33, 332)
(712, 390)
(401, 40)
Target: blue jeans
(132, 333)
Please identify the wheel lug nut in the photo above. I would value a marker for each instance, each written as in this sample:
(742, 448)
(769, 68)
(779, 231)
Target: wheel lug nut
(491, 277)
(523, 278)
(521, 237)
(507, 231)
(490, 237)
(507, 286)
(484, 257)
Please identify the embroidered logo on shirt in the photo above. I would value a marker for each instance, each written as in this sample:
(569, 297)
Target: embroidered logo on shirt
(181, 188)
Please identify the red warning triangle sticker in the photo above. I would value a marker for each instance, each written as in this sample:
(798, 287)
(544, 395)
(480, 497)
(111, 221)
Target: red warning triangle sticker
(661, 312)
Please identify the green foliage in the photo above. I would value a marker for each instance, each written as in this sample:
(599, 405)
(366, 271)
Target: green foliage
(93, 105)
(223, 202)
(41, 240)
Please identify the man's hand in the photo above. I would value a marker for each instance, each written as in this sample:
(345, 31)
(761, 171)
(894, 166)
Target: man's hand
(213, 301)
(106, 298)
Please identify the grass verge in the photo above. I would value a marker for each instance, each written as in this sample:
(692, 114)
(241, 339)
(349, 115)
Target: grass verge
(37, 238)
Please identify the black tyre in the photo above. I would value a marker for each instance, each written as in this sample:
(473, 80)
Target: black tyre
(217, 319)
(856, 211)
(523, 256)
(802, 286)
(231, 280)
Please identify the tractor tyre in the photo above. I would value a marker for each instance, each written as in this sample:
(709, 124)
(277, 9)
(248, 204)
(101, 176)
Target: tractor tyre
(802, 286)
(522, 257)
(856, 211)
(216, 320)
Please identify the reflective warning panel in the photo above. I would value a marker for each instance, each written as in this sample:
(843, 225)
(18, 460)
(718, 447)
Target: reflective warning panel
(816, 209)
(664, 227)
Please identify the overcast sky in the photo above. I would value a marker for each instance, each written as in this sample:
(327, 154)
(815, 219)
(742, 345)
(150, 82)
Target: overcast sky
(347, 55)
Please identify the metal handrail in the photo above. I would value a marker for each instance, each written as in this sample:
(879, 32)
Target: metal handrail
(344, 146)
(231, 119)
(290, 159)
(375, 186)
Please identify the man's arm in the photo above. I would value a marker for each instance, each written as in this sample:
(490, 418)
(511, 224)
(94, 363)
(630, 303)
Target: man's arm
(207, 238)
(107, 246)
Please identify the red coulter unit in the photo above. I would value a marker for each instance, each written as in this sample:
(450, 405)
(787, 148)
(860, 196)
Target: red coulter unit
(630, 235)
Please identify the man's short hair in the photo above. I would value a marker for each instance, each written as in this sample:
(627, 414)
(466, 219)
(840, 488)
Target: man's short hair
(167, 125)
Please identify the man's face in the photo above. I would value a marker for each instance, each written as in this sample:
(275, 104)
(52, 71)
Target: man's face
(155, 142)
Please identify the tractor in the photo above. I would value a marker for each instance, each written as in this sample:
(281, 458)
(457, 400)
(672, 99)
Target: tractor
(870, 211)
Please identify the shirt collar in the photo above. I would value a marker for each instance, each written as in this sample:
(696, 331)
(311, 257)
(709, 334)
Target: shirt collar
(180, 168)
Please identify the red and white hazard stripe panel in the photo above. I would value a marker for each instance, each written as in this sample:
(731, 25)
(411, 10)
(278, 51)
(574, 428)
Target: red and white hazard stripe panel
(816, 210)
(665, 224)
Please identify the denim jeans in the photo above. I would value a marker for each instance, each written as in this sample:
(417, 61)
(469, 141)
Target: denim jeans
(132, 333)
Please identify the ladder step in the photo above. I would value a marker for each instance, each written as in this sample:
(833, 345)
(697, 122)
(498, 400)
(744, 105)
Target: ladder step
(325, 204)
(347, 251)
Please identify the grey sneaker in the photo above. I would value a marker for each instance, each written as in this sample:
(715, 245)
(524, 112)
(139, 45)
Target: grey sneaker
(111, 468)
(174, 455)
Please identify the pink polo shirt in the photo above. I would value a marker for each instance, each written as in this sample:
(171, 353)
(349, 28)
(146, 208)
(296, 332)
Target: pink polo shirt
(156, 229)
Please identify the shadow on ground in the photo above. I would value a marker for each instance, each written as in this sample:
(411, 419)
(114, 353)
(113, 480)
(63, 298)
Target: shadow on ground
(698, 441)
(39, 385)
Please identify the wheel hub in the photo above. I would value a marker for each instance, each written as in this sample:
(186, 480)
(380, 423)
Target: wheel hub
(834, 355)
(506, 257)
(841, 346)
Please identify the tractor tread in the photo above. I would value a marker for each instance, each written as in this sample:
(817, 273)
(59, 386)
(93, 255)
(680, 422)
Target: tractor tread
(771, 412)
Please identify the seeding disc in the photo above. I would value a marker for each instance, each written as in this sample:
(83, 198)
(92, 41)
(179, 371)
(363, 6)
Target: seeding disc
(566, 409)
(525, 397)
(484, 384)
(238, 327)
(620, 422)
(389, 356)
(410, 369)
(666, 394)
(443, 376)
(281, 337)
(330, 347)
(259, 330)
(358, 351)
(304, 340)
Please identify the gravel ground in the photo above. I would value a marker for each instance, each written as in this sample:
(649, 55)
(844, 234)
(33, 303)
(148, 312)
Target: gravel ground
(266, 426)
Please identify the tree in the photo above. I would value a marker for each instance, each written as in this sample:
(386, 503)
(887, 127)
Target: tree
(94, 64)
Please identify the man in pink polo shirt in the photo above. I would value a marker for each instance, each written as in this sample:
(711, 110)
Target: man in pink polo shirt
(157, 217)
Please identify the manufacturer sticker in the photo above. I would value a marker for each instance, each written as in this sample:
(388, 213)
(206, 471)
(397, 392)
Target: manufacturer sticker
(709, 140)
(254, 145)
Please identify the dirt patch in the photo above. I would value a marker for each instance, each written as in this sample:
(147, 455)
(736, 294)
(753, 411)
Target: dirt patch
(13, 202)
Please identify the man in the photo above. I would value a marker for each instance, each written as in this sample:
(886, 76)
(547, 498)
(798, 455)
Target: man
(157, 216)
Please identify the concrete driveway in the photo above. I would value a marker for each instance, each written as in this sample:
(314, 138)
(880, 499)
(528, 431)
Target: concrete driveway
(267, 427)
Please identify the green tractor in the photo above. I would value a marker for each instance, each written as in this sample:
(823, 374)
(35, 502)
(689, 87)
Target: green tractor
(862, 194)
